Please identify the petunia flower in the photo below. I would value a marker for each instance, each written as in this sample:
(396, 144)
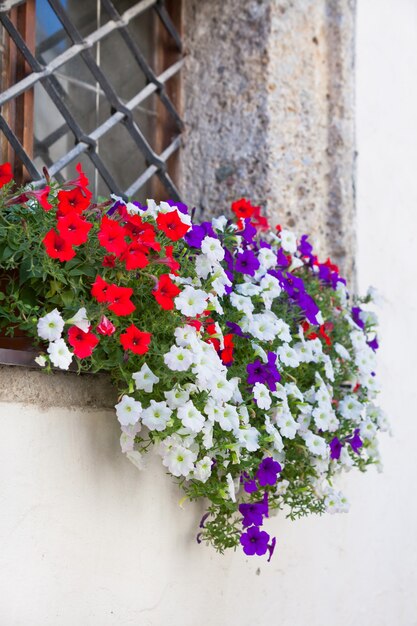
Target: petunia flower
(73, 228)
(119, 300)
(135, 340)
(112, 236)
(58, 247)
(82, 342)
(254, 541)
(172, 225)
(6, 174)
(71, 201)
(268, 471)
(165, 292)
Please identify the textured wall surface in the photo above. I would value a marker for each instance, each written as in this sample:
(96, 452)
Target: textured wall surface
(268, 91)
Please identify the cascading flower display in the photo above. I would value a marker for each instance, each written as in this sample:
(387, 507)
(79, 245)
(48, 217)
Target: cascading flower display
(239, 357)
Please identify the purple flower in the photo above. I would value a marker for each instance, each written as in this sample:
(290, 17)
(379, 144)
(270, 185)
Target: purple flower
(355, 441)
(268, 471)
(373, 344)
(305, 247)
(282, 259)
(335, 448)
(250, 486)
(309, 307)
(236, 329)
(249, 232)
(271, 548)
(254, 512)
(356, 316)
(247, 263)
(114, 208)
(195, 236)
(257, 372)
(203, 520)
(254, 541)
(179, 205)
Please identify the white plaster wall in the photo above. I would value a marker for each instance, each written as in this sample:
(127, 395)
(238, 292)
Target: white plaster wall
(86, 540)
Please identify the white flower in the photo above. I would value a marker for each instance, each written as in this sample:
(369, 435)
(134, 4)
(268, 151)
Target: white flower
(288, 356)
(191, 302)
(128, 410)
(288, 241)
(261, 395)
(367, 430)
(127, 438)
(317, 445)
(350, 408)
(136, 458)
(185, 335)
(342, 352)
(287, 425)
(263, 326)
(271, 285)
(219, 223)
(59, 354)
(80, 320)
(227, 416)
(176, 397)
(191, 417)
(231, 487)
(323, 417)
(203, 266)
(221, 389)
(241, 303)
(203, 469)
(180, 461)
(248, 438)
(156, 416)
(213, 249)
(178, 359)
(267, 258)
(145, 379)
(50, 326)
(220, 281)
(41, 360)
(365, 360)
(277, 442)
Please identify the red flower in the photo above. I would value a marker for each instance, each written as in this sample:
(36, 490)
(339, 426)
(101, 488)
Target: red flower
(57, 247)
(259, 221)
(134, 257)
(166, 292)
(99, 290)
(83, 343)
(73, 228)
(109, 260)
(135, 340)
(81, 182)
(227, 352)
(6, 174)
(42, 197)
(112, 236)
(169, 260)
(71, 201)
(142, 231)
(171, 224)
(106, 327)
(119, 298)
(243, 208)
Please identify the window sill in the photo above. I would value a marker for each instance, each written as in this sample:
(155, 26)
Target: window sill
(27, 385)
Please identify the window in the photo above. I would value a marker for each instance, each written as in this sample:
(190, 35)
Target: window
(94, 81)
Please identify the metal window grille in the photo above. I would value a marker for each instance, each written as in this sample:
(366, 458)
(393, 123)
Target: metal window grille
(119, 111)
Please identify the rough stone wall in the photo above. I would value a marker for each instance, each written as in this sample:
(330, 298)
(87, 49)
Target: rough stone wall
(268, 104)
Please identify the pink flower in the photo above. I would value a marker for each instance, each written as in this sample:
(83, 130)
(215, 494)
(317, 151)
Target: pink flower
(106, 327)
